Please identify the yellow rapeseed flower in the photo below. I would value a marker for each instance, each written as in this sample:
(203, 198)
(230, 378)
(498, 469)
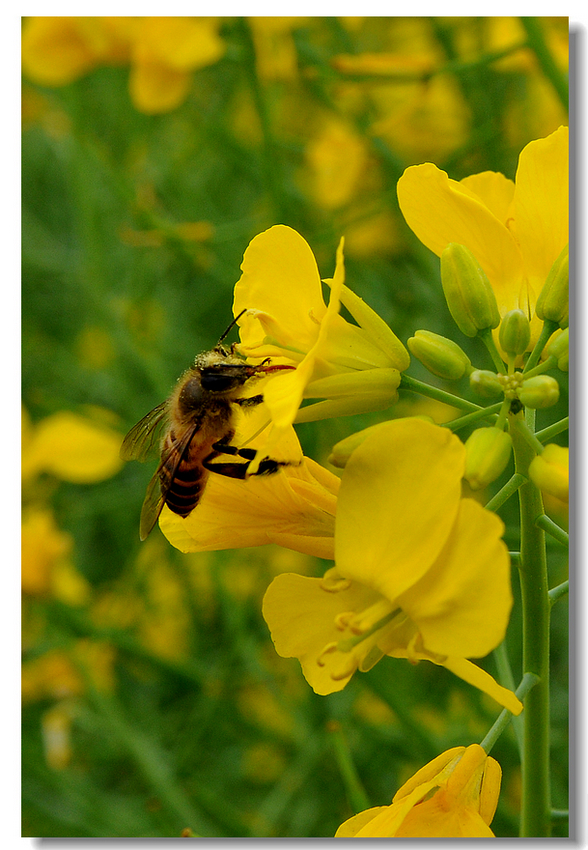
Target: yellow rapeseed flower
(353, 367)
(454, 796)
(420, 572)
(515, 230)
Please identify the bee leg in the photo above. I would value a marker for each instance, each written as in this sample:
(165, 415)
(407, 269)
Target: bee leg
(252, 401)
(231, 470)
(240, 470)
(226, 449)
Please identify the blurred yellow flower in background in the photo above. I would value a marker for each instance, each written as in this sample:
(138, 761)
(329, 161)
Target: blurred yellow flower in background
(162, 51)
(71, 447)
(453, 796)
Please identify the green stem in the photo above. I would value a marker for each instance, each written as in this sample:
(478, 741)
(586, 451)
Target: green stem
(536, 797)
(528, 682)
(542, 367)
(408, 383)
(553, 529)
(553, 430)
(548, 65)
(549, 327)
(488, 340)
(530, 437)
(355, 790)
(506, 679)
(469, 418)
(511, 486)
(557, 592)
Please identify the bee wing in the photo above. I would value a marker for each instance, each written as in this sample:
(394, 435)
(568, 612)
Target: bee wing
(144, 437)
(157, 493)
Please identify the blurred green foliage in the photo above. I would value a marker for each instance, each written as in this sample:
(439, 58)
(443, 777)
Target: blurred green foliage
(134, 227)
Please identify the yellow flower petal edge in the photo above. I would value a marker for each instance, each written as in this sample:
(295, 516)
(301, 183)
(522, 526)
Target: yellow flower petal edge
(540, 205)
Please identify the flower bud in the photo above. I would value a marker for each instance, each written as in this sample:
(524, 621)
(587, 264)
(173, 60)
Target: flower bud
(553, 302)
(468, 292)
(486, 383)
(550, 471)
(515, 332)
(539, 391)
(441, 356)
(487, 454)
(559, 347)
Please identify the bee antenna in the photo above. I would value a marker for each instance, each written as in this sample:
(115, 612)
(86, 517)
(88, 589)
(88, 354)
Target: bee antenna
(232, 325)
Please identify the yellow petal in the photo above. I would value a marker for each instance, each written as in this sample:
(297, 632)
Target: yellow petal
(301, 615)
(351, 827)
(280, 277)
(437, 768)
(484, 682)
(376, 328)
(540, 206)
(494, 190)
(399, 497)
(462, 605)
(490, 790)
(439, 211)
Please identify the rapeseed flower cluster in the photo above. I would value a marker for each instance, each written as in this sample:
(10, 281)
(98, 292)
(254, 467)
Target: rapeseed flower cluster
(420, 572)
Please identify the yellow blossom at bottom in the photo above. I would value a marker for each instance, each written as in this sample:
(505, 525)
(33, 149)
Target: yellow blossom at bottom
(454, 796)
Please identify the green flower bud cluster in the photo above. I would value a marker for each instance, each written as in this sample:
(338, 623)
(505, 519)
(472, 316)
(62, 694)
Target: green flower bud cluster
(536, 391)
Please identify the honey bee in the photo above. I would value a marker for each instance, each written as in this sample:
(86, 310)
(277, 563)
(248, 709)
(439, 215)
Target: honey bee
(193, 427)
